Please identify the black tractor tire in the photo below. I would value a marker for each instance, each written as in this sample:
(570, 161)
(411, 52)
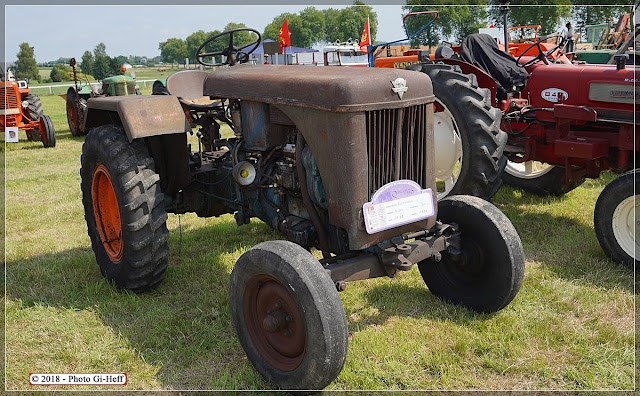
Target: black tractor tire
(616, 219)
(33, 135)
(488, 271)
(75, 113)
(543, 184)
(478, 128)
(288, 316)
(49, 138)
(124, 209)
(34, 110)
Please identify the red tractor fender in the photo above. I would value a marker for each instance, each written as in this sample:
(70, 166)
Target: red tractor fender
(484, 79)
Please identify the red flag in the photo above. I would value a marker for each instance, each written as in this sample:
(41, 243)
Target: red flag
(365, 39)
(285, 37)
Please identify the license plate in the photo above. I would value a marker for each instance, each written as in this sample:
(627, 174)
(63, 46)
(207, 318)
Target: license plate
(397, 203)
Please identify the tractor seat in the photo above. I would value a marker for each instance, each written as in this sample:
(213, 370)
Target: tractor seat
(481, 50)
(188, 86)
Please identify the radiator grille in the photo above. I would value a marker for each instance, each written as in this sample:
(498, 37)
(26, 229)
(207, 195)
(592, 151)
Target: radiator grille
(8, 98)
(396, 145)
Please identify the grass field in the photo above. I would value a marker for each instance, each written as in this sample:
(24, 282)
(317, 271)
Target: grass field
(571, 327)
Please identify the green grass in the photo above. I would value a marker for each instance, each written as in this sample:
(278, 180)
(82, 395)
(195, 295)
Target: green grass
(571, 326)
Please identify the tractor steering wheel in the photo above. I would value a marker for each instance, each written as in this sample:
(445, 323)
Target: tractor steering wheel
(542, 55)
(232, 53)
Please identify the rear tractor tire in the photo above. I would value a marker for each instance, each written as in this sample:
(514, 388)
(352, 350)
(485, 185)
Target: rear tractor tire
(288, 316)
(124, 209)
(616, 219)
(488, 271)
(34, 112)
(468, 140)
(75, 112)
(538, 178)
(35, 107)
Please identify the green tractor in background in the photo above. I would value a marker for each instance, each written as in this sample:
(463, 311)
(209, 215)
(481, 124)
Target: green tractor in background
(78, 95)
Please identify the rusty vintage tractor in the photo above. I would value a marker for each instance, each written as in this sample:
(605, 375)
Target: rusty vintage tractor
(336, 159)
(22, 111)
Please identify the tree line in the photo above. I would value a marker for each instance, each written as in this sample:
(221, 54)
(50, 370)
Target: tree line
(457, 22)
(308, 27)
(312, 27)
(92, 65)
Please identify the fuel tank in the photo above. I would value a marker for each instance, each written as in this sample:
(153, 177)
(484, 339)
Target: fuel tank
(601, 87)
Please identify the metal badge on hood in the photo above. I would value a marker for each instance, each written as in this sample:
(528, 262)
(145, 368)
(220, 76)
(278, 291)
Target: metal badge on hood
(399, 86)
(553, 94)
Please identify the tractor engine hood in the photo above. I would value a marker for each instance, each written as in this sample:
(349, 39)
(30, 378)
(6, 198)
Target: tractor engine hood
(333, 89)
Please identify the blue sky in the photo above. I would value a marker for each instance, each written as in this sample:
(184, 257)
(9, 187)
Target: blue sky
(67, 31)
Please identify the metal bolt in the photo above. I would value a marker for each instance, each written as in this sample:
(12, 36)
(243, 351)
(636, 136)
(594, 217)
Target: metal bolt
(278, 304)
(289, 318)
(436, 257)
(287, 333)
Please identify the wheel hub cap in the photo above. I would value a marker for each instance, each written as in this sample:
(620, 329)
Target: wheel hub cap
(274, 322)
(72, 116)
(527, 169)
(626, 226)
(449, 147)
(107, 213)
(448, 153)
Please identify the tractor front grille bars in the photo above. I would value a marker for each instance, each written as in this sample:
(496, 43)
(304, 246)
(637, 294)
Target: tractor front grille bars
(397, 145)
(8, 98)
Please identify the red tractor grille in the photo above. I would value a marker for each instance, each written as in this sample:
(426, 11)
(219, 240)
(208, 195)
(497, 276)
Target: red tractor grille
(8, 98)
(397, 145)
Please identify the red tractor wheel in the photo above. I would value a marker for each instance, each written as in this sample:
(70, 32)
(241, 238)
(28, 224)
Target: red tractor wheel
(538, 178)
(124, 209)
(75, 112)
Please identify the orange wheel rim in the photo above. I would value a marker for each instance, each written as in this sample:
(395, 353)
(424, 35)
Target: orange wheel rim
(72, 116)
(107, 213)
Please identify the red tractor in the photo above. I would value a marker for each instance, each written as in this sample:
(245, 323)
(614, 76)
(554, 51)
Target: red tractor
(565, 122)
(22, 110)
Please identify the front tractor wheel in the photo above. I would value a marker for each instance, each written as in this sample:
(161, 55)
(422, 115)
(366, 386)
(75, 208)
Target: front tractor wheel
(288, 316)
(468, 139)
(47, 131)
(124, 209)
(616, 219)
(486, 273)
